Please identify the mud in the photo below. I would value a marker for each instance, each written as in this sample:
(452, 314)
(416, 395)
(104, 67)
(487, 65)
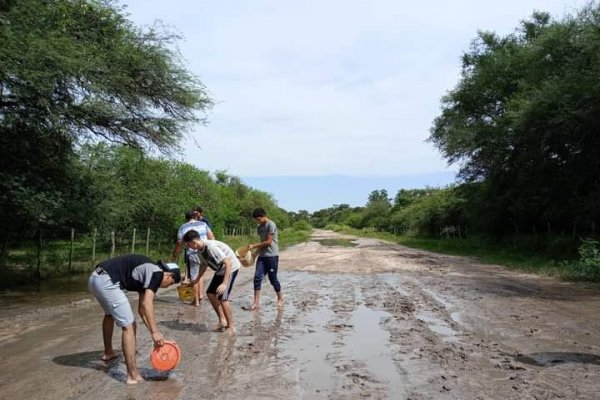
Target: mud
(363, 319)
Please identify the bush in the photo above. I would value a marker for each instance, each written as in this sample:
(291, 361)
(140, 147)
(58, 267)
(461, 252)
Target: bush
(302, 225)
(588, 266)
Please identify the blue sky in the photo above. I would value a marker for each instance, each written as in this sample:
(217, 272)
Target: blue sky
(321, 102)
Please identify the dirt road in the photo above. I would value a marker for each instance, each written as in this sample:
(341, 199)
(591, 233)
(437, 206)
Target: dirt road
(363, 319)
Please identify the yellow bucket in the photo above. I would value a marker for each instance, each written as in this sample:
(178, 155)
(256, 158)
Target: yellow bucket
(186, 292)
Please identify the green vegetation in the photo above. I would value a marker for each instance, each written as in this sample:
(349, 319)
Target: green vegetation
(522, 124)
(88, 100)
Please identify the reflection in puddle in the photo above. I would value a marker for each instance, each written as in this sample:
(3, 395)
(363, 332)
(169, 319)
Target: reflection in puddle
(438, 326)
(368, 343)
(337, 242)
(49, 292)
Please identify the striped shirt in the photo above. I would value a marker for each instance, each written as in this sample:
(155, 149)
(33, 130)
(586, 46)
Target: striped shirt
(192, 225)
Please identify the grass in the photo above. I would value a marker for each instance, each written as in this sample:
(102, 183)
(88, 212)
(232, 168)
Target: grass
(20, 266)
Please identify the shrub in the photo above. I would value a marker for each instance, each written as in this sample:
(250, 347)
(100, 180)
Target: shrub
(588, 266)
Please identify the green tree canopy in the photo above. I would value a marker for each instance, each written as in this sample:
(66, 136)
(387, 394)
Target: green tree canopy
(72, 71)
(524, 120)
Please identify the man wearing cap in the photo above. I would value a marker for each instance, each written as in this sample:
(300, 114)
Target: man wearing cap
(135, 273)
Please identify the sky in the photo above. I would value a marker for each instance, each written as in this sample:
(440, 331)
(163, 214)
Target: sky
(321, 102)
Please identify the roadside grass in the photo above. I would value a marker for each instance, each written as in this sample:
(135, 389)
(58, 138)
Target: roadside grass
(522, 254)
(20, 267)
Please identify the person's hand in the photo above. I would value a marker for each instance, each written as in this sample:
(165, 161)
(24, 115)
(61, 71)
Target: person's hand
(221, 289)
(158, 339)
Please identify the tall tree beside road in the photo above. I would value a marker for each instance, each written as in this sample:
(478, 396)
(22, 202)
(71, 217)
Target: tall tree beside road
(72, 71)
(523, 124)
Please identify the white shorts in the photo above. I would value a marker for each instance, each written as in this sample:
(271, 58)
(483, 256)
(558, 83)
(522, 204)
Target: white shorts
(194, 264)
(111, 298)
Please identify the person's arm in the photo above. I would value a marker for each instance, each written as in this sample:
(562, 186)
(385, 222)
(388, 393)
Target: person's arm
(210, 234)
(176, 250)
(146, 310)
(265, 243)
(226, 276)
(202, 271)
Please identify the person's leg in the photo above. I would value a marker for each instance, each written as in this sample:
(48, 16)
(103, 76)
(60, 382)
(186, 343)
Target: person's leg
(108, 324)
(133, 373)
(272, 264)
(228, 315)
(226, 305)
(200, 289)
(194, 268)
(259, 274)
(211, 292)
(109, 294)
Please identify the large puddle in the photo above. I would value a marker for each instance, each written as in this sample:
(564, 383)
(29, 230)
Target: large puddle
(48, 293)
(310, 351)
(369, 343)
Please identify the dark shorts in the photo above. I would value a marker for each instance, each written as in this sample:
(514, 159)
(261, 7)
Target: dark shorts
(216, 281)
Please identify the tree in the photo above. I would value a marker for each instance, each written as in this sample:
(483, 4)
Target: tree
(523, 122)
(71, 71)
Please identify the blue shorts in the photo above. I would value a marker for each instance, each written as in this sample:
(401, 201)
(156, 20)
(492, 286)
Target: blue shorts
(111, 298)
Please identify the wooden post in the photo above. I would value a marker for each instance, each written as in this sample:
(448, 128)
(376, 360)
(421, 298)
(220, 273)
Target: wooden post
(39, 257)
(112, 247)
(94, 247)
(71, 252)
(133, 242)
(147, 240)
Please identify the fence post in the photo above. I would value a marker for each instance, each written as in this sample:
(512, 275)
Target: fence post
(147, 240)
(39, 257)
(133, 242)
(94, 247)
(112, 247)
(71, 252)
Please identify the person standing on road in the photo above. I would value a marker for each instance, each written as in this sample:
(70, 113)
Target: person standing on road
(219, 257)
(191, 258)
(199, 216)
(267, 261)
(107, 283)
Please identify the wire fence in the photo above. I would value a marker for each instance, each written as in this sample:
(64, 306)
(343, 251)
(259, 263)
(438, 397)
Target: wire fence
(50, 253)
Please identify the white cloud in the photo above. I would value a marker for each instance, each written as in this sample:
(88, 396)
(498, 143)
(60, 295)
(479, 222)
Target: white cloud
(327, 87)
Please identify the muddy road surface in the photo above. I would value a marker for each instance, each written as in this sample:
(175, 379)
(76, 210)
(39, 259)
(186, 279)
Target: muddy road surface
(363, 319)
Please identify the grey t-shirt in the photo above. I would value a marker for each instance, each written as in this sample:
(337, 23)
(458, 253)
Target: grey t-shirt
(263, 231)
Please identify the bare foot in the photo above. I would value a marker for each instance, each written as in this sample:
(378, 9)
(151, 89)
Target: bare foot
(220, 327)
(109, 356)
(280, 303)
(231, 330)
(135, 379)
(254, 307)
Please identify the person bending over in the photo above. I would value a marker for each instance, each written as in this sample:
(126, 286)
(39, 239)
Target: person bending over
(220, 258)
(108, 282)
